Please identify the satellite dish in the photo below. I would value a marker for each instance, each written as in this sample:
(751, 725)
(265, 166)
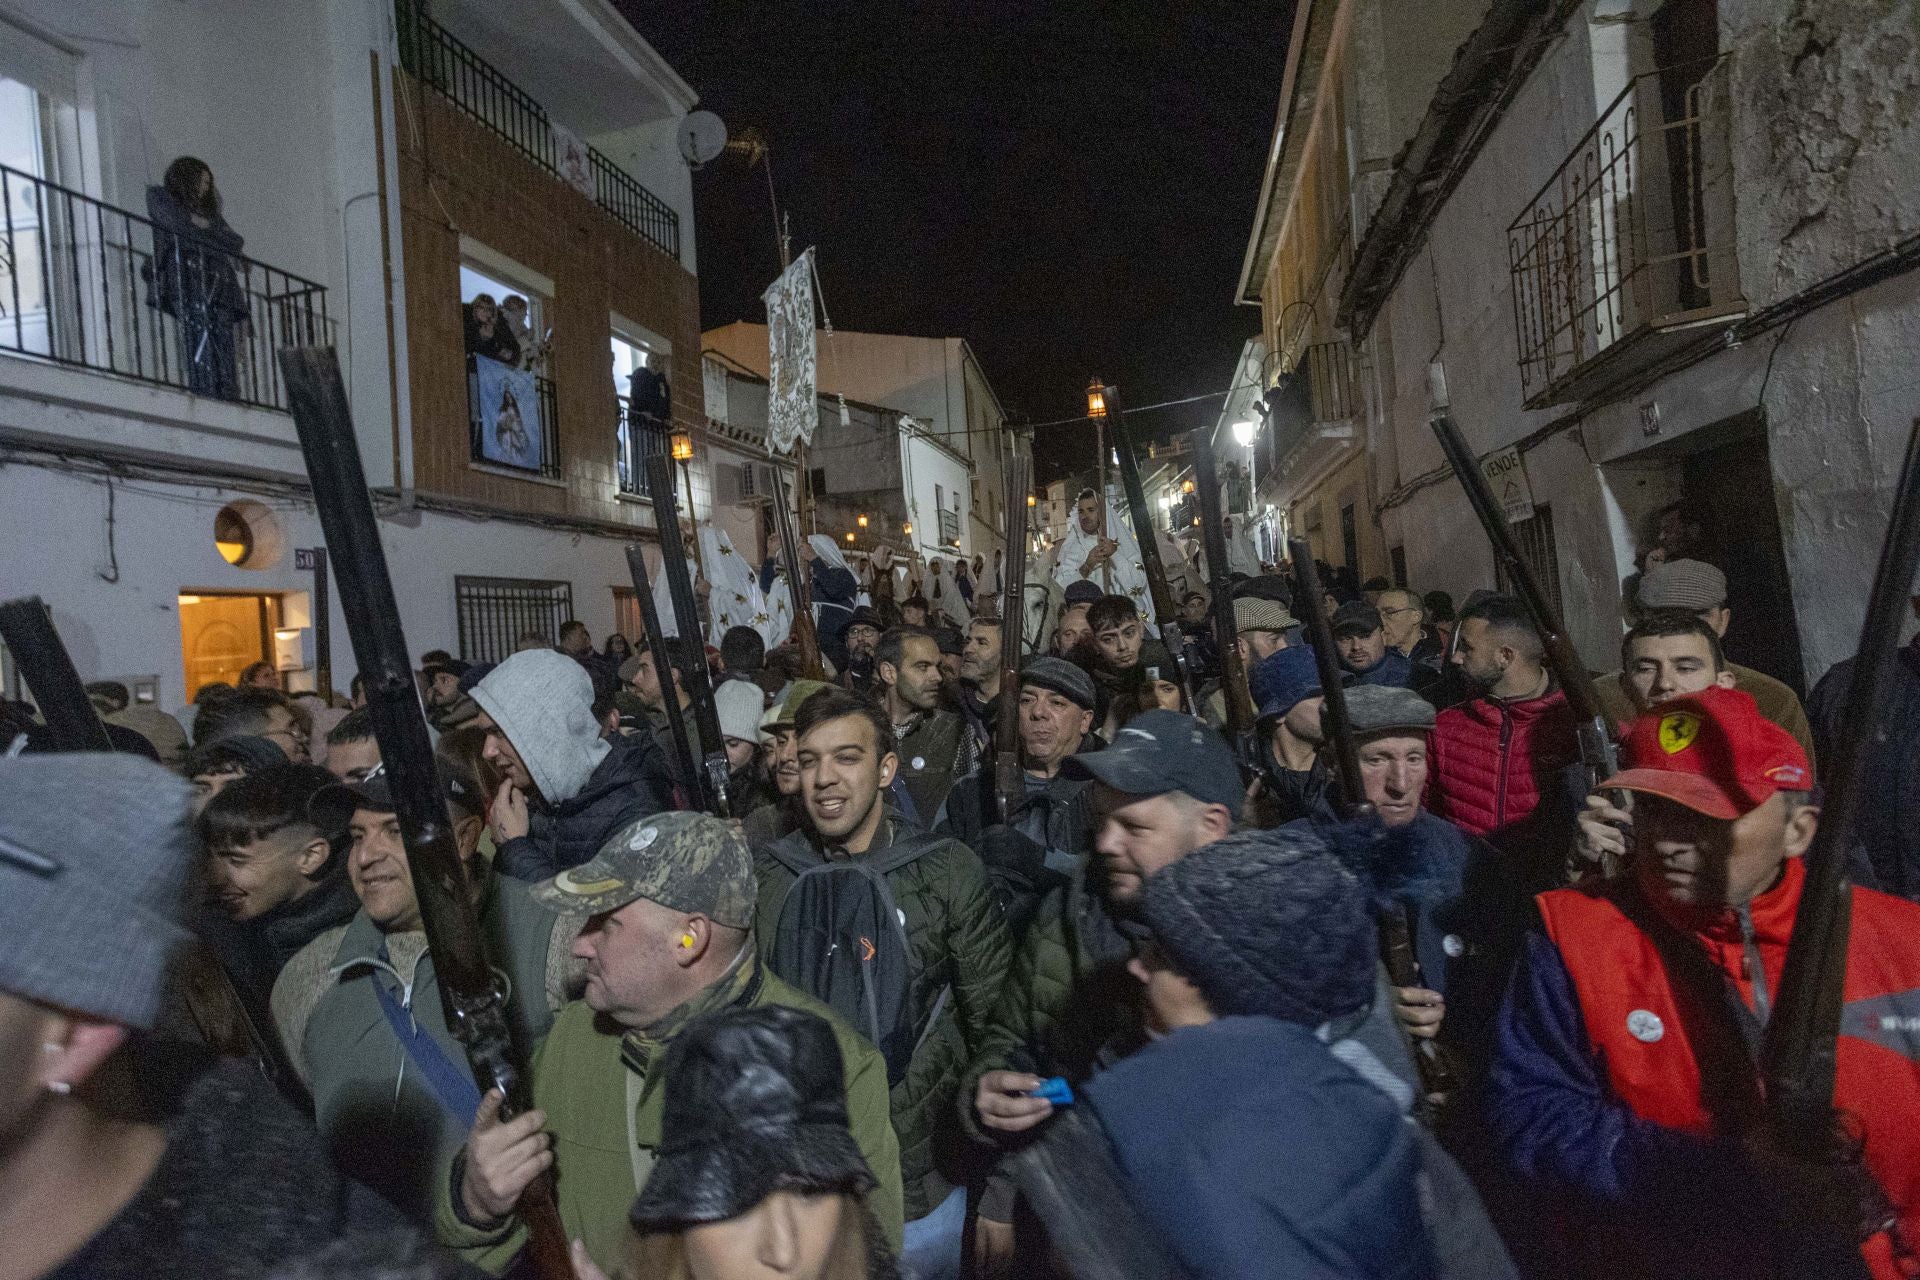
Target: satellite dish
(703, 135)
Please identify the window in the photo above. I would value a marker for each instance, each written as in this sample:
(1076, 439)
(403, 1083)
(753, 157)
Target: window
(512, 412)
(816, 480)
(1350, 536)
(495, 612)
(645, 409)
(1535, 539)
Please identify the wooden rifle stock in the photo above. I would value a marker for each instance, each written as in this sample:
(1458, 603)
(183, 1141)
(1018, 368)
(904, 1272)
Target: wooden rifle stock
(72, 722)
(1438, 1079)
(1233, 673)
(662, 665)
(1165, 608)
(806, 637)
(1798, 1051)
(1009, 780)
(473, 997)
(713, 773)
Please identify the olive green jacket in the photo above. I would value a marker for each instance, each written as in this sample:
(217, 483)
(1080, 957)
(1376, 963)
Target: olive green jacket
(603, 1146)
(960, 950)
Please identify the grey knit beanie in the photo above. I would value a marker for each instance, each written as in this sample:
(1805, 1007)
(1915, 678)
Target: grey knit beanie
(95, 851)
(1266, 923)
(543, 702)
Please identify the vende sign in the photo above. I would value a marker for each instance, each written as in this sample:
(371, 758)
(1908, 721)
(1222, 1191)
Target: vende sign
(1506, 476)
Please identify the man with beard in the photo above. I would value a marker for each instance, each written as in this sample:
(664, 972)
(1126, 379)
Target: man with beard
(980, 678)
(1505, 765)
(448, 705)
(936, 747)
(863, 638)
(954, 933)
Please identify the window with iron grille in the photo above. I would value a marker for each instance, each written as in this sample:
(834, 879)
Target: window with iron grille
(495, 612)
(1535, 539)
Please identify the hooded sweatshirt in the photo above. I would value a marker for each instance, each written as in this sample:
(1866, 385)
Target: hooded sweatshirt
(543, 702)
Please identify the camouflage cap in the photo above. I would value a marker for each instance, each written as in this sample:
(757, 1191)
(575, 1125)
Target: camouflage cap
(684, 861)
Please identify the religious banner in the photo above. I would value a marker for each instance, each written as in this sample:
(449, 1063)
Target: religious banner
(572, 159)
(792, 406)
(509, 414)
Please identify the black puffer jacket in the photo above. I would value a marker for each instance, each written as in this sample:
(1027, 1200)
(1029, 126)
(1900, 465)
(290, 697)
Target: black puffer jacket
(624, 786)
(244, 1184)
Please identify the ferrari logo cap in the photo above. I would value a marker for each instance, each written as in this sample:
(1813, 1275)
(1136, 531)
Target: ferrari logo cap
(1713, 752)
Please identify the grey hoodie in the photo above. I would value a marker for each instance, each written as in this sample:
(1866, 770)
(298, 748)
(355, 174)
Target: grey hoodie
(543, 702)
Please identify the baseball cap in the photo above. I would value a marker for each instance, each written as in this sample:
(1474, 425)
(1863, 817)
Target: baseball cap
(1355, 618)
(684, 861)
(1082, 591)
(1258, 613)
(332, 808)
(783, 708)
(1713, 752)
(1161, 751)
(1692, 585)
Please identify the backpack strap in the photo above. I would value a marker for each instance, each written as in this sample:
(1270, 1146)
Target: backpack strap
(795, 853)
(909, 848)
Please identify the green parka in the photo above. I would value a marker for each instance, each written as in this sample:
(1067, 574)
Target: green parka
(605, 1100)
(959, 942)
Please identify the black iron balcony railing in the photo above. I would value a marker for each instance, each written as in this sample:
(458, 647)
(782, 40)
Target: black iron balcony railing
(513, 435)
(86, 284)
(1632, 235)
(437, 58)
(640, 436)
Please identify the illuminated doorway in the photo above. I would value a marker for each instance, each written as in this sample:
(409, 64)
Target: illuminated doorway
(222, 633)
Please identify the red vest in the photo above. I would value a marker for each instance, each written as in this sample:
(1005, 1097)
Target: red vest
(1646, 1045)
(1488, 760)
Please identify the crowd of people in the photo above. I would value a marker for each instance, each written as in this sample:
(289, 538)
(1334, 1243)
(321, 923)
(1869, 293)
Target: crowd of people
(1162, 1007)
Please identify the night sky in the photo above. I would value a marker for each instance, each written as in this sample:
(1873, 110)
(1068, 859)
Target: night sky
(1068, 186)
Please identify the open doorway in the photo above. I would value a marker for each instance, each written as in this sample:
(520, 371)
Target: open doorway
(222, 633)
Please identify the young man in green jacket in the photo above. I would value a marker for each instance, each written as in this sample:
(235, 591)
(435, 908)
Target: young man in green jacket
(670, 906)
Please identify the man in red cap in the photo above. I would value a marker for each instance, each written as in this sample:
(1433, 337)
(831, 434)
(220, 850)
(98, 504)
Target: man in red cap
(1624, 1081)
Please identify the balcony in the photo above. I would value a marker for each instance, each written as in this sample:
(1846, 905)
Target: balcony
(640, 436)
(88, 285)
(504, 429)
(1310, 422)
(1629, 247)
(438, 59)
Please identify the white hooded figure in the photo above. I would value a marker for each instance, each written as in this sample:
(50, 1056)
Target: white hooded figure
(1100, 547)
(736, 599)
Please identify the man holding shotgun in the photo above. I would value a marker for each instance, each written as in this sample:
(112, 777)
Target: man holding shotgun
(1624, 1063)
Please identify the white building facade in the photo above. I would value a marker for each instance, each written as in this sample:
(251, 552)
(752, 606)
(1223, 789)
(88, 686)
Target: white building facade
(157, 502)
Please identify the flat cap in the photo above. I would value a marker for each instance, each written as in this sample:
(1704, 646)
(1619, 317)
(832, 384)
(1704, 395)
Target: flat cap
(684, 861)
(1693, 585)
(1061, 677)
(1380, 708)
(1258, 613)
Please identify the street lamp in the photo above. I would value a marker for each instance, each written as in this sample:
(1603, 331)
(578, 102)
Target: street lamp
(1243, 433)
(849, 537)
(1032, 502)
(907, 528)
(1186, 486)
(682, 447)
(1096, 399)
(861, 520)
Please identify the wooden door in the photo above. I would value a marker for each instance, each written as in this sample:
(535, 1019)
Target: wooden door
(221, 634)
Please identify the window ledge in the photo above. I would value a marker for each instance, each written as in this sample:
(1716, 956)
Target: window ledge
(511, 473)
(641, 499)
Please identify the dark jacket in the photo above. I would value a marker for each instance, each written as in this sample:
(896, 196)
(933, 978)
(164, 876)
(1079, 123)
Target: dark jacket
(1047, 834)
(833, 593)
(935, 752)
(253, 952)
(243, 1187)
(1888, 830)
(1394, 669)
(960, 952)
(499, 345)
(1253, 1152)
(1288, 795)
(624, 786)
(192, 274)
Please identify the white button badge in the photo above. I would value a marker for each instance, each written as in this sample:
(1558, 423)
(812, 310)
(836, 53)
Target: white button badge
(1645, 1026)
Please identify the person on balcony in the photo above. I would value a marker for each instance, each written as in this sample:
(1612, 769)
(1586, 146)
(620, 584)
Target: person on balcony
(488, 333)
(194, 278)
(651, 397)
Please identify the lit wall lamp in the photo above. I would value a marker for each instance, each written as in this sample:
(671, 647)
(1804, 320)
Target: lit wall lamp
(861, 520)
(1096, 399)
(1186, 486)
(1032, 502)
(682, 447)
(1243, 433)
(849, 537)
(907, 528)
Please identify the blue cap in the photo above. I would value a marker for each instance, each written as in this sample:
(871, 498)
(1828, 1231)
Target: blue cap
(1283, 679)
(1161, 751)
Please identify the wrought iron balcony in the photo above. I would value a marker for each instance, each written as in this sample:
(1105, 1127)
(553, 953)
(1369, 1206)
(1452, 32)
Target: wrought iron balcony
(437, 58)
(86, 284)
(1631, 243)
(640, 436)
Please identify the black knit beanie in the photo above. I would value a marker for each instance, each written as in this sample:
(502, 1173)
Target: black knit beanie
(1266, 923)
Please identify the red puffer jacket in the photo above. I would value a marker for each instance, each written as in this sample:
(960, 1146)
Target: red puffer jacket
(1490, 761)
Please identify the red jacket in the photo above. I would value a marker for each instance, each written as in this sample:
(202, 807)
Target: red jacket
(1490, 761)
(1647, 1040)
